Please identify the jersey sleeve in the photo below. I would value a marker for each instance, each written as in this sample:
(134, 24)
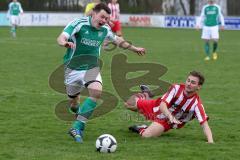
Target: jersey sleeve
(221, 18)
(169, 95)
(72, 28)
(200, 113)
(201, 17)
(20, 8)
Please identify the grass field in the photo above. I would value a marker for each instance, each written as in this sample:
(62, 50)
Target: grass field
(30, 130)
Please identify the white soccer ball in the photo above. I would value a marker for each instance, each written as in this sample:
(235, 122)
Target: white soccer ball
(106, 143)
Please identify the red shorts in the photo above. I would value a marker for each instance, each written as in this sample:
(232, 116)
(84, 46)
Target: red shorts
(116, 26)
(146, 107)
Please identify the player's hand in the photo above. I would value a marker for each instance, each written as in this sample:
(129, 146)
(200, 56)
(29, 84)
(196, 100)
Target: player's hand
(222, 28)
(173, 120)
(140, 51)
(210, 142)
(197, 27)
(69, 45)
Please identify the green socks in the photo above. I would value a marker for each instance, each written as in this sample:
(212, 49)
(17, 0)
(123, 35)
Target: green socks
(207, 49)
(84, 112)
(215, 45)
(13, 29)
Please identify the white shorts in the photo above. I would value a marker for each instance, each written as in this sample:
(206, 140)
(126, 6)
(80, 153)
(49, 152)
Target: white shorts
(75, 81)
(15, 20)
(210, 32)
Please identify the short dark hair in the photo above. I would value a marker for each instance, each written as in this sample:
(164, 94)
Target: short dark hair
(102, 6)
(199, 75)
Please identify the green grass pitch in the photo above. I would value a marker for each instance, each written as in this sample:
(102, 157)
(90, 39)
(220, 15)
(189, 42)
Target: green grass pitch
(30, 130)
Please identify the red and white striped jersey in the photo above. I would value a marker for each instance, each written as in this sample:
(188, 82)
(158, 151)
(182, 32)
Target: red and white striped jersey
(115, 11)
(182, 107)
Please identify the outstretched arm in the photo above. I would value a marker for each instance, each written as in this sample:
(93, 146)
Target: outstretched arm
(126, 45)
(207, 131)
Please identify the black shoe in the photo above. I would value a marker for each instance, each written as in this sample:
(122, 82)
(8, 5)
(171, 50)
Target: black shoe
(137, 128)
(146, 89)
(76, 134)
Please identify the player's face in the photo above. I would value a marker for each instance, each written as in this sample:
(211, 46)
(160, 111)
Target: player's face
(99, 19)
(114, 1)
(192, 84)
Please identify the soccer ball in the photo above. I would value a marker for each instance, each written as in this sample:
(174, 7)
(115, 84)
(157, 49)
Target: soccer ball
(106, 143)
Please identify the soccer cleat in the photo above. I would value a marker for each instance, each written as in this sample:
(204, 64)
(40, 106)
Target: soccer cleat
(146, 89)
(215, 56)
(207, 58)
(76, 134)
(137, 128)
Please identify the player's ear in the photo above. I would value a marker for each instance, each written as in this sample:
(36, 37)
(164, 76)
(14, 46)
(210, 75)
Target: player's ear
(199, 87)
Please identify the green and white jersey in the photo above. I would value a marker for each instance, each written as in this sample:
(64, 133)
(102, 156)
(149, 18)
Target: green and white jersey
(88, 42)
(14, 8)
(211, 15)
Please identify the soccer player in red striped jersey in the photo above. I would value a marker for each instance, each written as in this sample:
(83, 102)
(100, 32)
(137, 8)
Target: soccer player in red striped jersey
(179, 105)
(115, 17)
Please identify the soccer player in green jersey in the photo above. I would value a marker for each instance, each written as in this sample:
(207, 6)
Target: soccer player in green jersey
(83, 39)
(211, 17)
(14, 10)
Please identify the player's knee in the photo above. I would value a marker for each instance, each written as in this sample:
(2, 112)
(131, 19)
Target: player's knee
(96, 94)
(95, 90)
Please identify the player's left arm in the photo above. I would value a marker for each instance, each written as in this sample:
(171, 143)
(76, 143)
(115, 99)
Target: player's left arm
(20, 7)
(8, 12)
(221, 18)
(207, 131)
(126, 45)
(203, 120)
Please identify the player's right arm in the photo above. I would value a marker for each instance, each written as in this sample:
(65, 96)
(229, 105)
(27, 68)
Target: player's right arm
(200, 19)
(63, 41)
(72, 28)
(164, 109)
(165, 102)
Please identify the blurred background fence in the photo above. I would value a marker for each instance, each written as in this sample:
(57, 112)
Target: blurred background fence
(164, 7)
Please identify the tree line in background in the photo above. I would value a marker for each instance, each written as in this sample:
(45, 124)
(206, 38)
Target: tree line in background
(174, 7)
